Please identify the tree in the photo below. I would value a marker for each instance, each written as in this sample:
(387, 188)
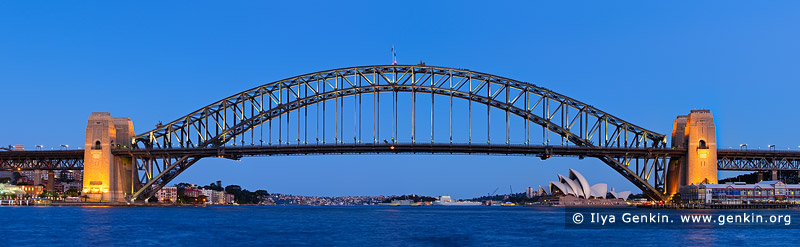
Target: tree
(262, 193)
(214, 186)
(233, 189)
(71, 192)
(185, 199)
(181, 187)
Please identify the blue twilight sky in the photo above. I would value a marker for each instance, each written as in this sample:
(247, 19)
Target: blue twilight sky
(643, 61)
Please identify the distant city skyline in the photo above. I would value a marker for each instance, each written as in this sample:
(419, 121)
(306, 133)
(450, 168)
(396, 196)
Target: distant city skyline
(645, 62)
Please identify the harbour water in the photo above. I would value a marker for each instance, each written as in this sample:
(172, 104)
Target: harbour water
(347, 226)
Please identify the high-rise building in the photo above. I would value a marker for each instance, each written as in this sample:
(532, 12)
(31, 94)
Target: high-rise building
(529, 192)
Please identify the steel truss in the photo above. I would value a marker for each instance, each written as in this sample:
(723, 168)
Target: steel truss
(41, 160)
(756, 160)
(277, 114)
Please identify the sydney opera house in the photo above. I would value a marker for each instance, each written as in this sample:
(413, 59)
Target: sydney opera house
(574, 190)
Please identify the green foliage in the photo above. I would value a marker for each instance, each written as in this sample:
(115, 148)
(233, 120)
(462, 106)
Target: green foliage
(789, 177)
(185, 199)
(749, 178)
(71, 192)
(181, 187)
(213, 186)
(243, 196)
(262, 193)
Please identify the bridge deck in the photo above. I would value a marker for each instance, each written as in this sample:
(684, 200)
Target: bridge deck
(757, 160)
(41, 160)
(745, 160)
(533, 150)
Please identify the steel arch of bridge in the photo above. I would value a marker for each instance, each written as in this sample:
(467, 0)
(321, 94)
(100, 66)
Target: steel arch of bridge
(234, 120)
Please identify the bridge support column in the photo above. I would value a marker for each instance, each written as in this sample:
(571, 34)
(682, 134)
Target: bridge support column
(774, 175)
(50, 181)
(699, 165)
(37, 177)
(676, 168)
(105, 176)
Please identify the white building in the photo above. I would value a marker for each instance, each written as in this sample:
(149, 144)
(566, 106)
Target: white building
(167, 194)
(218, 197)
(576, 185)
(214, 197)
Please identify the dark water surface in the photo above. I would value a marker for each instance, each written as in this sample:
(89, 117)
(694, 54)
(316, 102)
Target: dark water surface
(345, 226)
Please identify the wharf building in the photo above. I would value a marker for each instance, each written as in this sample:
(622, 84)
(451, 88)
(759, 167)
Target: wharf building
(739, 193)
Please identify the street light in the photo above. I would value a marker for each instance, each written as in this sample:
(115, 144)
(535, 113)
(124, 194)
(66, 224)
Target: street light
(39, 147)
(771, 147)
(65, 146)
(741, 146)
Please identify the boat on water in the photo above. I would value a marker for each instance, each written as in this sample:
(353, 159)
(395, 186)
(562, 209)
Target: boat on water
(447, 201)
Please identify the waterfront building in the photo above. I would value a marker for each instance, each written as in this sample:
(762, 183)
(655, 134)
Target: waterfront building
(192, 192)
(167, 194)
(65, 186)
(68, 174)
(229, 199)
(577, 186)
(32, 189)
(208, 194)
(574, 190)
(733, 193)
(217, 197)
(8, 190)
(32, 176)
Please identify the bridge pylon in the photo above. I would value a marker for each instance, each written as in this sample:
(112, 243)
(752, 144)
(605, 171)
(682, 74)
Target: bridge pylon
(697, 133)
(107, 177)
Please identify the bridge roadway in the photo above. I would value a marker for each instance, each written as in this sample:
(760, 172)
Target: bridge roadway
(41, 160)
(742, 160)
(533, 150)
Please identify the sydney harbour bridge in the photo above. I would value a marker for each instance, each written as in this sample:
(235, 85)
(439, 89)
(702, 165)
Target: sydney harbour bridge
(390, 109)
